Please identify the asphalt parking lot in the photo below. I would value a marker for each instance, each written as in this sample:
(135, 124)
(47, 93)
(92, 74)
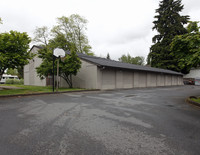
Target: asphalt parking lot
(145, 121)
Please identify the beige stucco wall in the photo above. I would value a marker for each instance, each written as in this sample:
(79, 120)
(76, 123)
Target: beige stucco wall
(37, 80)
(135, 79)
(174, 80)
(86, 77)
(160, 79)
(180, 80)
(119, 79)
(26, 75)
(115, 78)
(62, 82)
(168, 80)
(30, 74)
(128, 79)
(99, 78)
(142, 79)
(151, 79)
(108, 79)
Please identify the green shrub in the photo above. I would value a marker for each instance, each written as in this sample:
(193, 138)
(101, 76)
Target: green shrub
(15, 81)
(9, 81)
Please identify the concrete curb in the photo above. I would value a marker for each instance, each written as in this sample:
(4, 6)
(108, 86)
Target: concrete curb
(192, 102)
(32, 94)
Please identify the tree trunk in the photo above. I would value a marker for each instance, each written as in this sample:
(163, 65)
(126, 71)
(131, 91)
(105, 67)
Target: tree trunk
(1, 73)
(71, 81)
(1, 76)
(68, 79)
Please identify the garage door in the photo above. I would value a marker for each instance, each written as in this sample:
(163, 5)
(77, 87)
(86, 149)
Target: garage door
(108, 79)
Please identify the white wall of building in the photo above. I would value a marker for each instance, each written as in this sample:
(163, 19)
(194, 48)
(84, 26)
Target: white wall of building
(135, 79)
(119, 79)
(168, 80)
(151, 79)
(86, 77)
(160, 80)
(30, 74)
(174, 80)
(108, 79)
(180, 80)
(128, 79)
(142, 79)
(194, 73)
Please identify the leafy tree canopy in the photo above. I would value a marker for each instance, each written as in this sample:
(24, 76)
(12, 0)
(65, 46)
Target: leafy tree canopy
(168, 23)
(69, 35)
(186, 48)
(13, 50)
(67, 67)
(73, 28)
(138, 60)
(42, 35)
(12, 71)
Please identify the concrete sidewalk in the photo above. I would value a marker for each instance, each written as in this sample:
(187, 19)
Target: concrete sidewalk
(44, 93)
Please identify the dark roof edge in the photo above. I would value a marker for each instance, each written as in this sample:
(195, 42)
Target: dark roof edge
(152, 69)
(40, 47)
(161, 70)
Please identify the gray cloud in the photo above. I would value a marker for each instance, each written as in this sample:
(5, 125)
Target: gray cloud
(117, 27)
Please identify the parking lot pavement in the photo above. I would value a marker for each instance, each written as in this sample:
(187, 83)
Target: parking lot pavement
(136, 121)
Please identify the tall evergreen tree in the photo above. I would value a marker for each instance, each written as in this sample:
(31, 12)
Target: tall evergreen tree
(168, 24)
(108, 56)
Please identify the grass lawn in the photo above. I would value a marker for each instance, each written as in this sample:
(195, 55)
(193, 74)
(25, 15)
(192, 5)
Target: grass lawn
(31, 89)
(196, 100)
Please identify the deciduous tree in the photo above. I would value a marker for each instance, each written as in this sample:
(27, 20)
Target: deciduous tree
(186, 48)
(42, 35)
(138, 60)
(13, 50)
(12, 71)
(68, 67)
(72, 30)
(69, 35)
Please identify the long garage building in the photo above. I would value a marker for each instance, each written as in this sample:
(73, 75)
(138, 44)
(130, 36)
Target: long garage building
(101, 73)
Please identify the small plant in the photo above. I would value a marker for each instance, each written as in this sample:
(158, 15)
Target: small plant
(196, 99)
(15, 81)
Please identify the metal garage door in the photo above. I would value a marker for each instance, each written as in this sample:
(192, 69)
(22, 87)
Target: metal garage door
(108, 79)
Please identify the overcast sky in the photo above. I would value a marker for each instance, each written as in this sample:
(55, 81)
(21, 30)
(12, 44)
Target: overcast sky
(115, 26)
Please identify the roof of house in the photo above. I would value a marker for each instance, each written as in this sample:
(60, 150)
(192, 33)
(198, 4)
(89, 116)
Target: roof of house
(117, 64)
(102, 62)
(40, 47)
